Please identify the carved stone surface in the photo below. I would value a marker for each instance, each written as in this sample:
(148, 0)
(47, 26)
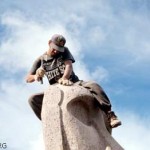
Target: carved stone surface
(72, 121)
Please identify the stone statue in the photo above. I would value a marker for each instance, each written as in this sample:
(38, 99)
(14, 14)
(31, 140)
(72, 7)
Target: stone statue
(72, 120)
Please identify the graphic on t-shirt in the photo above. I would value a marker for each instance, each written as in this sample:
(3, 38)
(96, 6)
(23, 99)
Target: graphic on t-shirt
(55, 72)
(54, 69)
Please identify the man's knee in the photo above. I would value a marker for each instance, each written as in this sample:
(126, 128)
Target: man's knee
(93, 85)
(96, 85)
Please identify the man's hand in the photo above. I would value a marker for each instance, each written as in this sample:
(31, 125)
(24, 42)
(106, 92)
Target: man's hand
(65, 82)
(39, 75)
(40, 72)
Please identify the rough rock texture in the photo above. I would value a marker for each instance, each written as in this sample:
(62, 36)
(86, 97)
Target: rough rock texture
(72, 121)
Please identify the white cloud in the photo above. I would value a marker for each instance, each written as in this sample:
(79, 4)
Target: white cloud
(134, 134)
(100, 74)
(82, 71)
(27, 40)
(136, 37)
(96, 36)
(17, 118)
(38, 144)
(123, 36)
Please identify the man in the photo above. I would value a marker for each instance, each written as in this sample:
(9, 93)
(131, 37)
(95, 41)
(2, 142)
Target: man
(56, 64)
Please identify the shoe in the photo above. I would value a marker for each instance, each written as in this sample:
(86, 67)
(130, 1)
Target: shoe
(113, 120)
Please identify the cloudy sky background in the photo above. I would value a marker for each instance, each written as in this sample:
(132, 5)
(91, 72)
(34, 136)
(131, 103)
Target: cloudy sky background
(110, 40)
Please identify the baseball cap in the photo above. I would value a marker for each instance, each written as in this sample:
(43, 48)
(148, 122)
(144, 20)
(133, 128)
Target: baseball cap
(58, 42)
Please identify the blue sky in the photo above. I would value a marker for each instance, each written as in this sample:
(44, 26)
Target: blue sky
(110, 41)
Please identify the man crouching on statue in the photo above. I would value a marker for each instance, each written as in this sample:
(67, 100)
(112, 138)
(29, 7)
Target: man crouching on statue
(56, 64)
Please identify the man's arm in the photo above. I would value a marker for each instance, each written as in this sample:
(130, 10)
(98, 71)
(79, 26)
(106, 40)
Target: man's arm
(31, 78)
(68, 69)
(36, 72)
(36, 77)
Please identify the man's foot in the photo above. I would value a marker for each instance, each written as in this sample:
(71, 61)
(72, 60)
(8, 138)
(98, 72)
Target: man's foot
(113, 120)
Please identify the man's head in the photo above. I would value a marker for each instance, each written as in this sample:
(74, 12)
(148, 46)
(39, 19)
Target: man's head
(57, 42)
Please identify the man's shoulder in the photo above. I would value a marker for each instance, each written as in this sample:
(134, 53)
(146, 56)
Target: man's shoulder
(67, 55)
(66, 48)
(66, 51)
(42, 57)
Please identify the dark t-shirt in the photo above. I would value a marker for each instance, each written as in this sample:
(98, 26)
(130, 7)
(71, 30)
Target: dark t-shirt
(54, 66)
